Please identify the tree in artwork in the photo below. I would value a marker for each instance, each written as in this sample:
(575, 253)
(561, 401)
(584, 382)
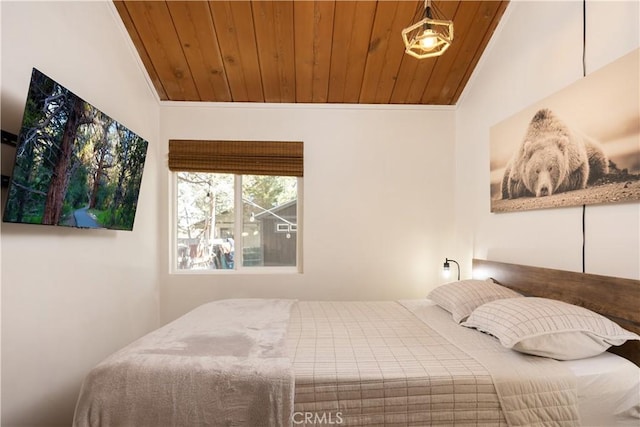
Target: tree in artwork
(75, 165)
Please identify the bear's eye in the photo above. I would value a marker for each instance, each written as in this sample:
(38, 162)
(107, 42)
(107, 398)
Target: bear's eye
(550, 168)
(537, 170)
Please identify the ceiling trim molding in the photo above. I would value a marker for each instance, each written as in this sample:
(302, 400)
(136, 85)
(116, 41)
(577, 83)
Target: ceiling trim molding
(306, 106)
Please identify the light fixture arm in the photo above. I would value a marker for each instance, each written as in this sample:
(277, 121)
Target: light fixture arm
(446, 265)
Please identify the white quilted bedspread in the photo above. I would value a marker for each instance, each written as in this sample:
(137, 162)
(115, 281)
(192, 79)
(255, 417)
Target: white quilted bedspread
(533, 391)
(379, 363)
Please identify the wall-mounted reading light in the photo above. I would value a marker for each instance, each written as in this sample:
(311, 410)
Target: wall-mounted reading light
(446, 269)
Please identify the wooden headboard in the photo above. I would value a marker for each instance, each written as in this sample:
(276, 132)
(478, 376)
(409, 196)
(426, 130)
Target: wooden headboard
(613, 297)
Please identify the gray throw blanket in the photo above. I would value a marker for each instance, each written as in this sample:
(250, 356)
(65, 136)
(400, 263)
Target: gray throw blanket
(222, 364)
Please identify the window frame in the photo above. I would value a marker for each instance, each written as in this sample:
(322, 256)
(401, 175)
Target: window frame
(238, 225)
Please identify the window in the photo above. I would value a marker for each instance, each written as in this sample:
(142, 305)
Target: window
(211, 236)
(227, 218)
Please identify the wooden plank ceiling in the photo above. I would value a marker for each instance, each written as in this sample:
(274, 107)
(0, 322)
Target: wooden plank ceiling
(320, 51)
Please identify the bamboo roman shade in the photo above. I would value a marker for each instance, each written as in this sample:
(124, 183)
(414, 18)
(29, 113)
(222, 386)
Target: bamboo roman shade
(280, 158)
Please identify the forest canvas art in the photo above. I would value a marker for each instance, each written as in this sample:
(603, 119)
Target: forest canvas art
(579, 146)
(75, 166)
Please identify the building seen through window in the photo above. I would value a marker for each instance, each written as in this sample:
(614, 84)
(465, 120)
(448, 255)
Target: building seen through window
(235, 222)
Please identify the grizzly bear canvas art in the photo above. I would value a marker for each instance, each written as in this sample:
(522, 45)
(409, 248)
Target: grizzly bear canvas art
(552, 158)
(576, 147)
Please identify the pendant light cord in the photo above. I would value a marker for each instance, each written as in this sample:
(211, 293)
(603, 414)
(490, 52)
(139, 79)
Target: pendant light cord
(584, 210)
(584, 38)
(584, 74)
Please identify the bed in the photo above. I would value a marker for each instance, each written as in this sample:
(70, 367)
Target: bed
(365, 363)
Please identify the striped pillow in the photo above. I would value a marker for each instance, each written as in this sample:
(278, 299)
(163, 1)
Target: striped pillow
(547, 327)
(462, 297)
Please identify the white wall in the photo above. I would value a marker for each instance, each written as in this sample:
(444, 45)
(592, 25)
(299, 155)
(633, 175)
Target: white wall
(537, 51)
(379, 207)
(71, 297)
(377, 204)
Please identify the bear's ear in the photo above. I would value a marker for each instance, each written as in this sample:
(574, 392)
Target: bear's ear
(542, 115)
(563, 143)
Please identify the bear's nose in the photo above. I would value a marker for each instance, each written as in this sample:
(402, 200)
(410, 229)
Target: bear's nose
(544, 191)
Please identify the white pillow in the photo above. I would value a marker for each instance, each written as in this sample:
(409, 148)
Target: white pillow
(462, 297)
(547, 327)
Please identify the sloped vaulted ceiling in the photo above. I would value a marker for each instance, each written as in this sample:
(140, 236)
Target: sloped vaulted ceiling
(303, 51)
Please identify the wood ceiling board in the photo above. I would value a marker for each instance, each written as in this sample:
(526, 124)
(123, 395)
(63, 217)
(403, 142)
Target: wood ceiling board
(273, 23)
(233, 21)
(396, 54)
(351, 35)
(142, 52)
(313, 21)
(377, 54)
(390, 51)
(344, 17)
(411, 80)
(161, 42)
(196, 32)
(437, 91)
